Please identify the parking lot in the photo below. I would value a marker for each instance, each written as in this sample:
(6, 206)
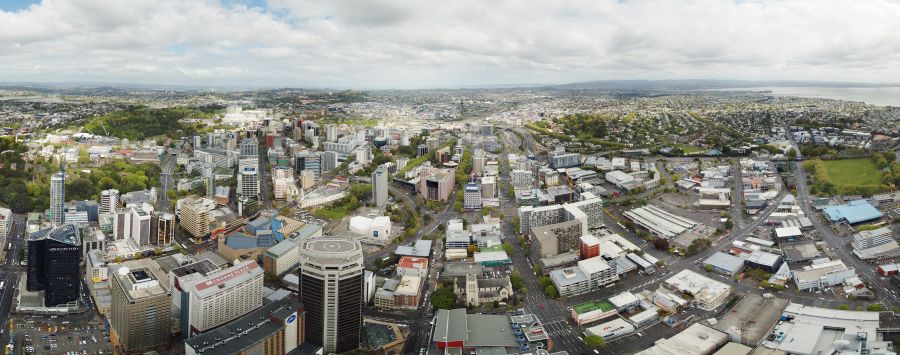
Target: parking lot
(58, 335)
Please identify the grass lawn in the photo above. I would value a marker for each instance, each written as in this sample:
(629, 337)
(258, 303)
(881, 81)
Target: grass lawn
(853, 172)
(331, 213)
(689, 149)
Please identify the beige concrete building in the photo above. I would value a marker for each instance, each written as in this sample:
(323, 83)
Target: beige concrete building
(140, 318)
(194, 217)
(435, 184)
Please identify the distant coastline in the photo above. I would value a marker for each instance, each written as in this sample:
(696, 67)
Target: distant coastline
(881, 95)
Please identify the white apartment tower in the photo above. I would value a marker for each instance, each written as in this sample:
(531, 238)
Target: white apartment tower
(380, 186)
(58, 197)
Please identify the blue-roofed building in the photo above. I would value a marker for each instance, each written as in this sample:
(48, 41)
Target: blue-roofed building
(241, 241)
(258, 224)
(266, 229)
(854, 212)
(242, 246)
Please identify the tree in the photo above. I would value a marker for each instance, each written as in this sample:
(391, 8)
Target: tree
(517, 281)
(79, 188)
(471, 249)
(708, 267)
(661, 244)
(875, 307)
(550, 291)
(507, 247)
(792, 153)
(443, 298)
(537, 269)
(106, 183)
(594, 342)
(545, 281)
(698, 245)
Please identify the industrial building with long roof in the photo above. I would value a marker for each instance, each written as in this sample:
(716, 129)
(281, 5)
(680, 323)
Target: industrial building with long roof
(659, 222)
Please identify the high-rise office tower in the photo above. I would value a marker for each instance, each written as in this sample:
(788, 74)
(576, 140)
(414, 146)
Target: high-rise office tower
(249, 148)
(54, 264)
(58, 197)
(331, 288)
(162, 228)
(248, 178)
(380, 186)
(140, 318)
(331, 133)
(109, 200)
(309, 161)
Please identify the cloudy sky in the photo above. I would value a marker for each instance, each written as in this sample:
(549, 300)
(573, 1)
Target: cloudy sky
(424, 44)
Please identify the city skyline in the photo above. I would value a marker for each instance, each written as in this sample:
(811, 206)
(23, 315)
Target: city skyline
(390, 44)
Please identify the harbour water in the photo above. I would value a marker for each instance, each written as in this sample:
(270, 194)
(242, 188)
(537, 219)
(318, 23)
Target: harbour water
(881, 96)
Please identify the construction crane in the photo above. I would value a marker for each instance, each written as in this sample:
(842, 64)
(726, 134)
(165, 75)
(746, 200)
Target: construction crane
(104, 128)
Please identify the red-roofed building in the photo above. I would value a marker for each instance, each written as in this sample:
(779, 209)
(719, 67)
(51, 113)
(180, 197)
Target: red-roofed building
(888, 269)
(412, 266)
(589, 246)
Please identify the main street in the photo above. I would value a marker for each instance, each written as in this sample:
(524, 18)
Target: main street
(166, 181)
(10, 270)
(884, 293)
(838, 245)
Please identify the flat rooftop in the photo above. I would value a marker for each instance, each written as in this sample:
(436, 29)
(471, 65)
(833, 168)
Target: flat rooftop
(752, 317)
(230, 338)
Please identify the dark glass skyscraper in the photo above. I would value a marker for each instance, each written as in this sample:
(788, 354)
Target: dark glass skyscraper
(54, 264)
(331, 287)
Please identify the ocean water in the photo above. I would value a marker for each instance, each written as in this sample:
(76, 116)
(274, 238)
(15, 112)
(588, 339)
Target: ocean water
(881, 96)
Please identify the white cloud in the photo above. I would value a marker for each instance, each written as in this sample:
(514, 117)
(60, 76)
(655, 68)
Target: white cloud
(394, 43)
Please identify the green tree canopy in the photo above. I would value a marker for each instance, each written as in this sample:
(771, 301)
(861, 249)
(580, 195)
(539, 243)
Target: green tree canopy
(594, 341)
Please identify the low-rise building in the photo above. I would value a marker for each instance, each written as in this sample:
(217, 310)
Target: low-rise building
(611, 330)
(625, 302)
(823, 274)
(588, 275)
(659, 222)
(708, 294)
(722, 263)
(406, 295)
(412, 266)
(768, 262)
(592, 311)
(696, 339)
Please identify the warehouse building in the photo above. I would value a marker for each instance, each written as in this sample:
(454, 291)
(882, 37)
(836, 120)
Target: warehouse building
(659, 222)
(854, 212)
(768, 262)
(697, 339)
(725, 264)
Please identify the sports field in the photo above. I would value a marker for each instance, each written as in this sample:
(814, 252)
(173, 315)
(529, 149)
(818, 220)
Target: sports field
(853, 172)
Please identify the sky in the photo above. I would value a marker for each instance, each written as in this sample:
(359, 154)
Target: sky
(432, 44)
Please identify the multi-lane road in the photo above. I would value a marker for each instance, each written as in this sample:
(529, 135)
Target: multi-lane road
(10, 271)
